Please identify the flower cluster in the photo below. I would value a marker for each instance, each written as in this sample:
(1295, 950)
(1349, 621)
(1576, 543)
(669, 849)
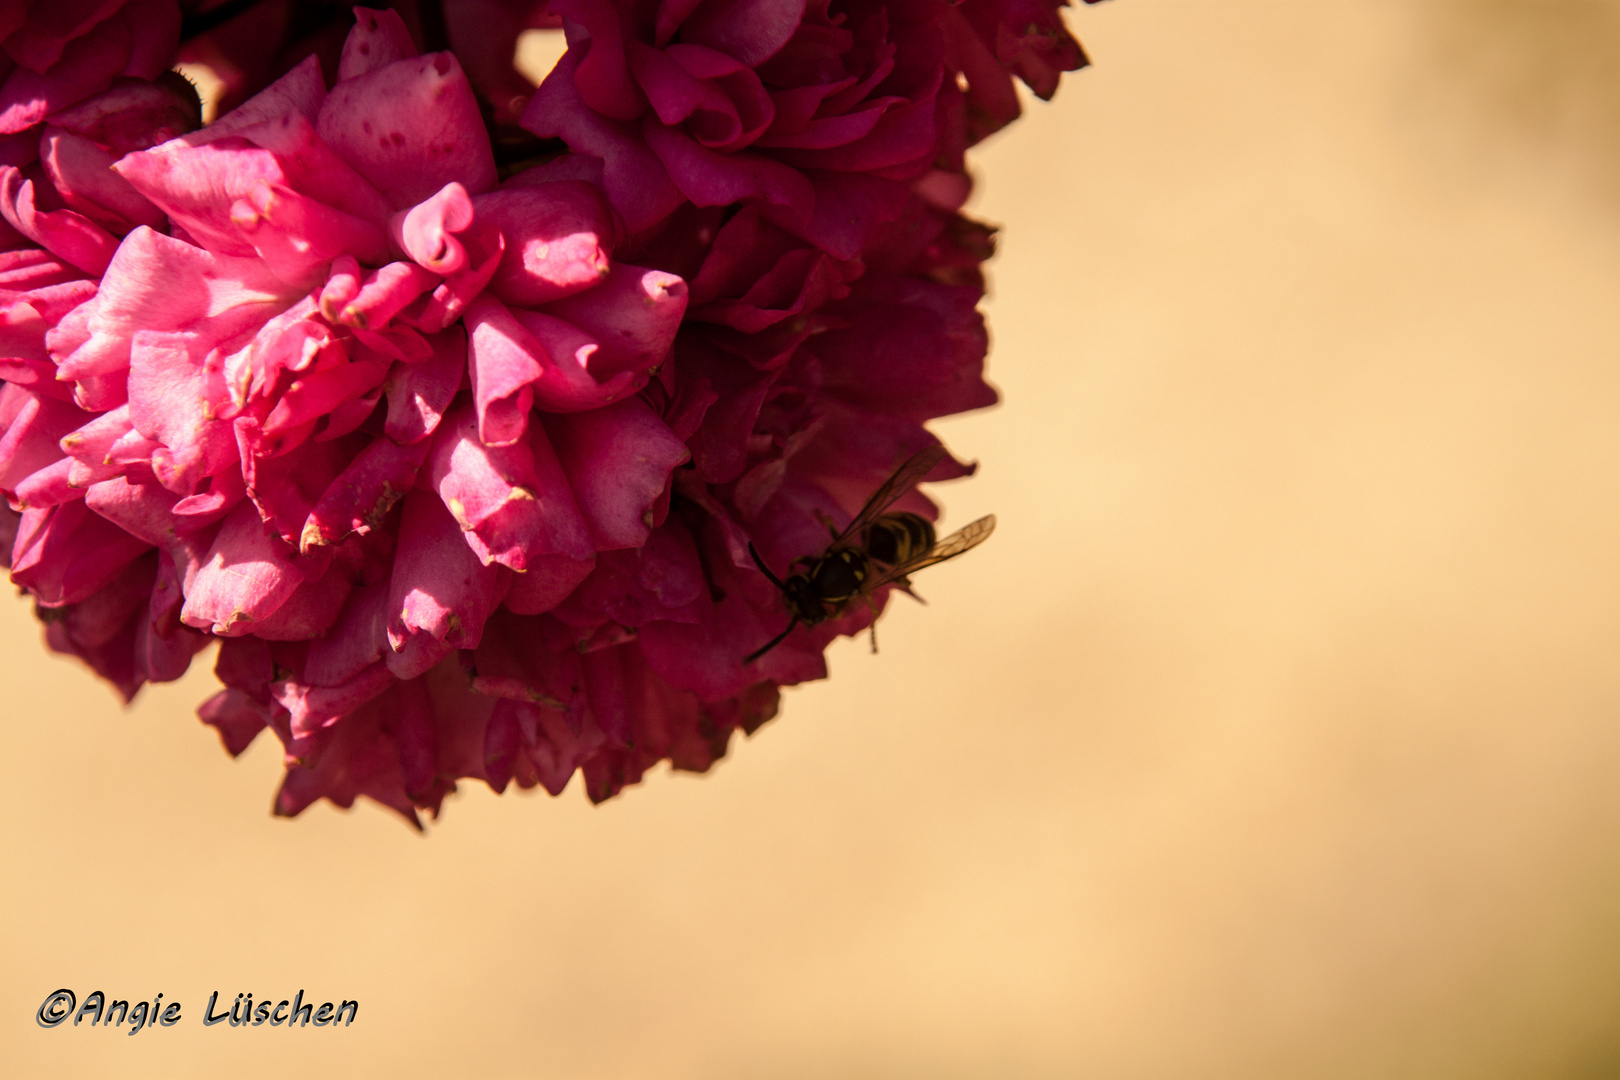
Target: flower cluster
(452, 407)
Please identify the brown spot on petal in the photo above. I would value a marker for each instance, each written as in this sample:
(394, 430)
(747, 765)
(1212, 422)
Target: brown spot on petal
(385, 502)
(311, 538)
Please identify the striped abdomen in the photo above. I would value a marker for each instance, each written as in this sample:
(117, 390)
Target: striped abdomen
(897, 538)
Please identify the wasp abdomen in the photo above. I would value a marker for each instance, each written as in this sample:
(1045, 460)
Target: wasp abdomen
(897, 538)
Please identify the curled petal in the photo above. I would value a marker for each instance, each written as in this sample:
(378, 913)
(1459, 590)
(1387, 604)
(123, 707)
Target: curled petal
(176, 395)
(378, 39)
(83, 175)
(558, 240)
(300, 91)
(512, 501)
(357, 640)
(133, 114)
(419, 394)
(618, 460)
(485, 247)
(505, 362)
(32, 439)
(410, 128)
(67, 553)
(633, 315)
(65, 233)
(141, 510)
(439, 588)
(361, 496)
(426, 232)
(298, 237)
(86, 65)
(247, 574)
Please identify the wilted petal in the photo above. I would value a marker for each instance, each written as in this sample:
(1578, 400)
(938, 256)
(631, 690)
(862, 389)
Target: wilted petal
(709, 178)
(237, 718)
(375, 298)
(572, 360)
(318, 393)
(485, 247)
(195, 512)
(314, 707)
(662, 580)
(163, 645)
(285, 487)
(632, 176)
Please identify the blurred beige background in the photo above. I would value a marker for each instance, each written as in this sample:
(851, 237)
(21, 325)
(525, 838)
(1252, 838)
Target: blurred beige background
(1273, 735)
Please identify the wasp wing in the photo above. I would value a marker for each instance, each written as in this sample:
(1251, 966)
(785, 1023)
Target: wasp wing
(904, 479)
(966, 538)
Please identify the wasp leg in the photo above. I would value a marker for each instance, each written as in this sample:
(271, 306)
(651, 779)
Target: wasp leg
(872, 626)
(821, 516)
(759, 562)
(773, 643)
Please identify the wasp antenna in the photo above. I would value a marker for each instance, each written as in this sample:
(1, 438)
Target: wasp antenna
(759, 562)
(773, 643)
(821, 516)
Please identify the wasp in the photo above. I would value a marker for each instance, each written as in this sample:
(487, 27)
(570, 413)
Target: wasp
(877, 549)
